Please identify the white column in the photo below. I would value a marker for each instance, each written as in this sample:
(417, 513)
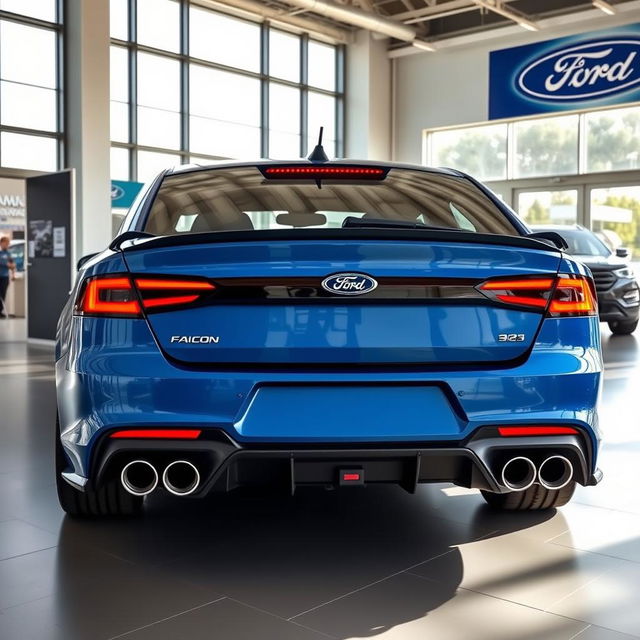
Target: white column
(87, 119)
(368, 103)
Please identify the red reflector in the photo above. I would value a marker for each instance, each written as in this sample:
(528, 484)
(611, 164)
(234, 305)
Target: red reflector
(537, 431)
(176, 434)
(325, 171)
(350, 477)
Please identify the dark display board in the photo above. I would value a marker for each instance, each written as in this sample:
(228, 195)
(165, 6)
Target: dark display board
(48, 251)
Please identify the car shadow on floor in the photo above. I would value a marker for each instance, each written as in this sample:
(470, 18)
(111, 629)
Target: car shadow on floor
(286, 556)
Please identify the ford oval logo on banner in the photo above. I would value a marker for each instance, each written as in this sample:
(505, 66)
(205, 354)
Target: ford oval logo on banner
(349, 284)
(566, 73)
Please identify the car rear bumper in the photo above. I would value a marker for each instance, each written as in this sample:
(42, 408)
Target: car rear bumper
(224, 464)
(131, 385)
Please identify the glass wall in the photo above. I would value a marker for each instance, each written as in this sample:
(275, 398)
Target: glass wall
(589, 142)
(30, 100)
(190, 84)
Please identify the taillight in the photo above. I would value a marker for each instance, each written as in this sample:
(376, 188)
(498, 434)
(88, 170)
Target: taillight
(157, 434)
(109, 296)
(119, 296)
(566, 295)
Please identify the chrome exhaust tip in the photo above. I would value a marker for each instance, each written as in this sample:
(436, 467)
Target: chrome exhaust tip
(555, 472)
(518, 474)
(181, 478)
(139, 477)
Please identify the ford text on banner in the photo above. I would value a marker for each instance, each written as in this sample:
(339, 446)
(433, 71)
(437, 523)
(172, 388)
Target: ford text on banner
(591, 70)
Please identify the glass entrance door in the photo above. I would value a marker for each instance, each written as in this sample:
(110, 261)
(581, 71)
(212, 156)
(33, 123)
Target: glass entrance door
(615, 217)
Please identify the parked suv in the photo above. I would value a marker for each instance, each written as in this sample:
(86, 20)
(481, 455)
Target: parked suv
(616, 284)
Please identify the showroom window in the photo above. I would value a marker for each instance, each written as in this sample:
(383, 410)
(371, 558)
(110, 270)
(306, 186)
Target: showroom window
(189, 84)
(589, 142)
(30, 96)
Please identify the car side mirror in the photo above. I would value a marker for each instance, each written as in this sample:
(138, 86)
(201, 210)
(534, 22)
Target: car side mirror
(622, 252)
(84, 260)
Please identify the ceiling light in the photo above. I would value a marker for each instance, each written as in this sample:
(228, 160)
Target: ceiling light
(604, 6)
(423, 45)
(529, 26)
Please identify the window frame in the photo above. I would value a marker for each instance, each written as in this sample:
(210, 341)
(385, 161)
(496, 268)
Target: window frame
(58, 28)
(133, 47)
(428, 157)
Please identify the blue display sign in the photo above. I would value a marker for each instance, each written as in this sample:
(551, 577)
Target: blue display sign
(584, 71)
(124, 193)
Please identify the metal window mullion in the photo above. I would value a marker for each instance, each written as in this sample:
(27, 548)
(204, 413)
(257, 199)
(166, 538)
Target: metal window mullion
(304, 93)
(61, 65)
(132, 54)
(264, 90)
(339, 102)
(184, 81)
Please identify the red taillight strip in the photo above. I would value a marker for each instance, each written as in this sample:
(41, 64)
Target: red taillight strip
(511, 285)
(530, 302)
(164, 302)
(146, 285)
(175, 434)
(325, 171)
(155, 284)
(537, 431)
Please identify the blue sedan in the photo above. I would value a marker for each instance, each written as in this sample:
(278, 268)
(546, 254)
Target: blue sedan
(328, 323)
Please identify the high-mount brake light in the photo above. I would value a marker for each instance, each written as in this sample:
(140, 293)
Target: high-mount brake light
(324, 172)
(172, 434)
(535, 430)
(116, 296)
(561, 296)
(109, 296)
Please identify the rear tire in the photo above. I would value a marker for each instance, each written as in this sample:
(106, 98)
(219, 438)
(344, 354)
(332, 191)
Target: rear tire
(535, 498)
(623, 327)
(109, 500)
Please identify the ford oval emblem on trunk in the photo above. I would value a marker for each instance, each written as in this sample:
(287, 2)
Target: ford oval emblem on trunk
(349, 284)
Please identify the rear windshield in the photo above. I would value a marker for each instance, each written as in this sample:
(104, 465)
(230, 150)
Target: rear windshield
(242, 199)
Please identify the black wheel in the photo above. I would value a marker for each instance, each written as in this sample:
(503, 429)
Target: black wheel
(109, 500)
(535, 498)
(623, 327)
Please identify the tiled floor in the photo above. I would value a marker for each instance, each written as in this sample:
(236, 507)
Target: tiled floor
(350, 564)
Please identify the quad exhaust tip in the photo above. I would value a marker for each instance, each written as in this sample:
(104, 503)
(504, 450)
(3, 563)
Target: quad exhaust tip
(181, 478)
(139, 477)
(518, 474)
(555, 472)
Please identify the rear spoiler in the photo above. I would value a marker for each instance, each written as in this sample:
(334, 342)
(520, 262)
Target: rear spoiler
(539, 241)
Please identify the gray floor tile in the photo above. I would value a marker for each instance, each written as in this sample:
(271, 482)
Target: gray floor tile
(407, 607)
(614, 533)
(90, 594)
(598, 633)
(611, 600)
(517, 568)
(227, 620)
(293, 554)
(18, 537)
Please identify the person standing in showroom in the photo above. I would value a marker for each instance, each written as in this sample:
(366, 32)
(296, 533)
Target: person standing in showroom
(7, 268)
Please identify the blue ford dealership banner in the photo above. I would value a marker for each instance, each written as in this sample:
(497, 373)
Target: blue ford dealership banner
(124, 193)
(585, 71)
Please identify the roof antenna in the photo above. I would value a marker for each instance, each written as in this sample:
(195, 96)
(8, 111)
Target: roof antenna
(318, 154)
